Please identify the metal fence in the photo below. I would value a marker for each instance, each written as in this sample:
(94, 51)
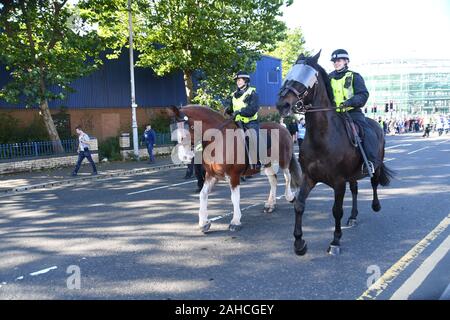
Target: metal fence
(36, 149)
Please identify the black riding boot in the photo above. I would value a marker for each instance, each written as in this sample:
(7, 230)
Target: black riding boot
(255, 126)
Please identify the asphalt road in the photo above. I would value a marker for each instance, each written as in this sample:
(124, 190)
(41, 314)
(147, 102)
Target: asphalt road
(136, 237)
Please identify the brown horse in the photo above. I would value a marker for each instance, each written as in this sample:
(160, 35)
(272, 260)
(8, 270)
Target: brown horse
(232, 169)
(326, 154)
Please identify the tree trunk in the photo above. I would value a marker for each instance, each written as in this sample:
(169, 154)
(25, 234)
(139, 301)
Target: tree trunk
(50, 125)
(189, 86)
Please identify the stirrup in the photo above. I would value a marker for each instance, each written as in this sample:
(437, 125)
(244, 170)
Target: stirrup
(371, 168)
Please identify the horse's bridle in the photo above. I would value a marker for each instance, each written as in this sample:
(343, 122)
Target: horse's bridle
(308, 77)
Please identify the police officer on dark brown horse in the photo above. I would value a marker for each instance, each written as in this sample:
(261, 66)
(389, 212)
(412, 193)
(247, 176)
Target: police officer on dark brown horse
(244, 107)
(350, 95)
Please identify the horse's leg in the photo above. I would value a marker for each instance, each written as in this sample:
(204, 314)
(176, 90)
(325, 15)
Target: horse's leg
(339, 192)
(299, 207)
(288, 194)
(203, 221)
(354, 189)
(235, 224)
(269, 206)
(375, 181)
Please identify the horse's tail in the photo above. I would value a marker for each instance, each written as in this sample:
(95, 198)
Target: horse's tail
(296, 172)
(386, 175)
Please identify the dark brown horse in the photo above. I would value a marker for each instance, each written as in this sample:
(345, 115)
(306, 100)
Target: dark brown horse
(232, 170)
(326, 155)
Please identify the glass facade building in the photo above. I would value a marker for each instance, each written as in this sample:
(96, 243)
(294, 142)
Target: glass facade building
(415, 86)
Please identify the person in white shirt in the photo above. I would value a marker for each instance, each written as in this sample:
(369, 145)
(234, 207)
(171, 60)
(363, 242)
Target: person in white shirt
(83, 151)
(301, 125)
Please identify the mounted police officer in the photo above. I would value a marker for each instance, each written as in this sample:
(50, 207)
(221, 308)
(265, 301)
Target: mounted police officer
(244, 107)
(350, 95)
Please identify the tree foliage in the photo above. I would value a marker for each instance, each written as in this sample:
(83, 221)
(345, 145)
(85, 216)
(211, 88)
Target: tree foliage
(45, 46)
(208, 40)
(289, 49)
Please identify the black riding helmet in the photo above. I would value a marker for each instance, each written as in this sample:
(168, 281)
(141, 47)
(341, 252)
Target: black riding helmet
(242, 75)
(339, 54)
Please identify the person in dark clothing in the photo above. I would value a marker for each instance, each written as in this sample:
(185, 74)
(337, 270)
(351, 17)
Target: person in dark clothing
(149, 138)
(244, 107)
(197, 169)
(350, 95)
(293, 129)
(200, 173)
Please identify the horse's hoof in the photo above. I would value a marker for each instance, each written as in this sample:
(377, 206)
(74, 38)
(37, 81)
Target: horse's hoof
(351, 222)
(376, 207)
(292, 201)
(205, 228)
(269, 209)
(234, 227)
(334, 250)
(301, 249)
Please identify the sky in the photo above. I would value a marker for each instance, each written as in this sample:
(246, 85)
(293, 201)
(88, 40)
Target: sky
(373, 30)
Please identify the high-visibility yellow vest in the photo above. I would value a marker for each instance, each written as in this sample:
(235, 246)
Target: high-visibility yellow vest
(239, 103)
(343, 90)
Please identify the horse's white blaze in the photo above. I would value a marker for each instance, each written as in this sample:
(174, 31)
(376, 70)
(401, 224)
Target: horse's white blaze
(203, 212)
(289, 195)
(271, 201)
(236, 198)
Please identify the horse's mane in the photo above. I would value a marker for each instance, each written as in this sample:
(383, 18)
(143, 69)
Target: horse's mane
(311, 62)
(211, 112)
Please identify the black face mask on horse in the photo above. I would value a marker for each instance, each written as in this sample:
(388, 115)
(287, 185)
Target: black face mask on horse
(326, 154)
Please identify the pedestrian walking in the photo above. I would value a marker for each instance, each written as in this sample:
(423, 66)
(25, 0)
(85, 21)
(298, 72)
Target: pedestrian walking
(83, 151)
(149, 138)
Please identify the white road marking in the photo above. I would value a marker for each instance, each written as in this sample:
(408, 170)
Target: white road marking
(442, 142)
(422, 272)
(390, 275)
(43, 271)
(19, 278)
(399, 145)
(417, 150)
(162, 187)
(427, 147)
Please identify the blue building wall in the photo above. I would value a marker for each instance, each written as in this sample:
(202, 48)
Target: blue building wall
(267, 80)
(109, 87)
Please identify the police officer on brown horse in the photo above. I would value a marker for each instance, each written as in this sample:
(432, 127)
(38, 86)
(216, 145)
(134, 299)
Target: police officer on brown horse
(244, 107)
(350, 95)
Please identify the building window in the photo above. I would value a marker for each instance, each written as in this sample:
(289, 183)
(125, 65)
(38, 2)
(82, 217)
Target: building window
(272, 77)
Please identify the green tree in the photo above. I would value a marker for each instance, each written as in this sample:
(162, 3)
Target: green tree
(208, 40)
(289, 49)
(45, 46)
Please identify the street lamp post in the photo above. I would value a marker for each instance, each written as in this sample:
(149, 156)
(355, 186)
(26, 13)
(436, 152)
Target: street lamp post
(133, 95)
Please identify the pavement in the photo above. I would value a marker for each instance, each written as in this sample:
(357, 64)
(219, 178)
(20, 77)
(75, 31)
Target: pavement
(44, 178)
(136, 236)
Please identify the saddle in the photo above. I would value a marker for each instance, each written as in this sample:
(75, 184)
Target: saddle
(352, 129)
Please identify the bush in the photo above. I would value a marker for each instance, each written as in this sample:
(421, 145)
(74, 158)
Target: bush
(9, 128)
(110, 149)
(160, 123)
(35, 131)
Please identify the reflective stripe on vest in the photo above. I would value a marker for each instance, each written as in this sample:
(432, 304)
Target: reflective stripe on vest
(343, 90)
(239, 103)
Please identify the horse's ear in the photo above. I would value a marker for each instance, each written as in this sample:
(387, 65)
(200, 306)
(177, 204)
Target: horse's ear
(317, 56)
(301, 57)
(175, 110)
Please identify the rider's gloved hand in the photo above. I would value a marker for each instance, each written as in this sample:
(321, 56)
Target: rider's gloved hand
(344, 104)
